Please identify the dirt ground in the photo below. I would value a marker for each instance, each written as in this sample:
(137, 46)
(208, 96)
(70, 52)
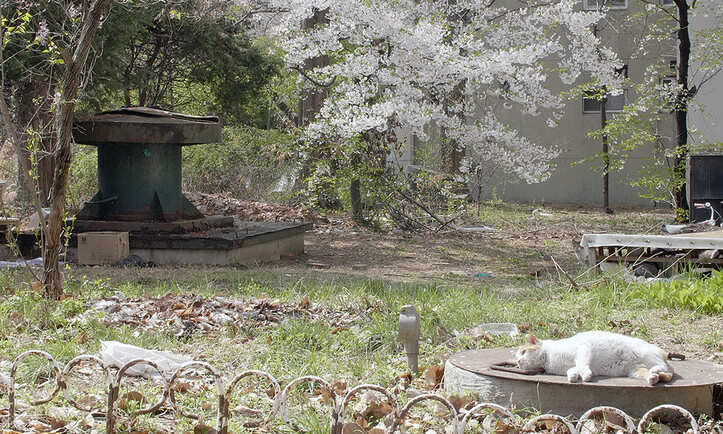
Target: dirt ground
(502, 244)
(524, 252)
(501, 240)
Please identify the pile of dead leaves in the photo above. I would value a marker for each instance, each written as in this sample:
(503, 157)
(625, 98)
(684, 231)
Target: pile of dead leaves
(184, 315)
(225, 204)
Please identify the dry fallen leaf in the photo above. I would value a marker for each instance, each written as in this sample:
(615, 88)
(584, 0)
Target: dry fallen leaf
(460, 401)
(247, 411)
(340, 387)
(38, 287)
(326, 395)
(204, 429)
(133, 395)
(479, 333)
(353, 428)
(433, 376)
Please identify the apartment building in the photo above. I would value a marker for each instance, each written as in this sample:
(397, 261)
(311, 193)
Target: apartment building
(579, 182)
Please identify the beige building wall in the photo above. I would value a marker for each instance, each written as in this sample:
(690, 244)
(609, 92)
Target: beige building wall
(582, 183)
(707, 117)
(579, 183)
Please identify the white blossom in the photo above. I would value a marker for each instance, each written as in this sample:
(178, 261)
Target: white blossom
(453, 67)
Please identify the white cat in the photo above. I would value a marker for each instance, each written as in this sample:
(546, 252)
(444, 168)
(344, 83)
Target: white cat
(592, 353)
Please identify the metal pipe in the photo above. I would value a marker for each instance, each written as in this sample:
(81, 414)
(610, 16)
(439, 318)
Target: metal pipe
(409, 331)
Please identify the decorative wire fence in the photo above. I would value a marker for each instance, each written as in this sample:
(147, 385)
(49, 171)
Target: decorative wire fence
(266, 403)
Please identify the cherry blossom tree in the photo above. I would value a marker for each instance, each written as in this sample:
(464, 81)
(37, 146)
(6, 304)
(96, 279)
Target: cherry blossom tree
(452, 69)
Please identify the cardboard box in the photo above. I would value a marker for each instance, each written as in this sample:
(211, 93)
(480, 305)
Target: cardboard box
(102, 247)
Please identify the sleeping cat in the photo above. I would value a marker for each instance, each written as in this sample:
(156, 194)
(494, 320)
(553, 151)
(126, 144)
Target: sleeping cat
(592, 353)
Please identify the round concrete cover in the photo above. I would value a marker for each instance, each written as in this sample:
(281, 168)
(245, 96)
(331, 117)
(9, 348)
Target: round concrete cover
(471, 372)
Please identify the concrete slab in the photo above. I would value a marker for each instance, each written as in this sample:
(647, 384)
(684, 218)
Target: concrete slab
(245, 243)
(470, 372)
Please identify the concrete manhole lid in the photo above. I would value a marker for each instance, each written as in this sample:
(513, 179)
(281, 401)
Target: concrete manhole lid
(688, 372)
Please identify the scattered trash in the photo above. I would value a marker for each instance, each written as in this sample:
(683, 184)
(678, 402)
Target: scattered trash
(359, 267)
(117, 354)
(288, 256)
(21, 262)
(484, 275)
(673, 229)
(133, 261)
(319, 265)
(500, 328)
(480, 228)
(541, 212)
(34, 222)
(4, 381)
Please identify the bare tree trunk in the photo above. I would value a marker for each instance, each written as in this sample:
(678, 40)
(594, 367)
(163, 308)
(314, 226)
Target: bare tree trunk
(63, 152)
(605, 153)
(310, 105)
(33, 113)
(680, 159)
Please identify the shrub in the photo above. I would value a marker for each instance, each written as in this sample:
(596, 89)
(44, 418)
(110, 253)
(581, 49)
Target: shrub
(248, 163)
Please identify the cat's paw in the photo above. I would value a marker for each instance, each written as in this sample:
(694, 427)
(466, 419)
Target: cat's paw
(585, 373)
(572, 375)
(653, 379)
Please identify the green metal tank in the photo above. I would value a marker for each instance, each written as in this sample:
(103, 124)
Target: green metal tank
(139, 162)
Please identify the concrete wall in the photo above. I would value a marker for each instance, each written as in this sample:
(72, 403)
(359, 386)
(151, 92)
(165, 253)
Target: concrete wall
(707, 118)
(579, 183)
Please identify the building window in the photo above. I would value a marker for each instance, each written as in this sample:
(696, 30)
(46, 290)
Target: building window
(667, 3)
(593, 5)
(615, 104)
(667, 80)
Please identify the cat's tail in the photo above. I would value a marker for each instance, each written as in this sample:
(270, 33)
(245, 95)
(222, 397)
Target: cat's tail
(667, 375)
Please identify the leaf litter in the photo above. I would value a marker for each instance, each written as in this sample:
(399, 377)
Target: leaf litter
(187, 314)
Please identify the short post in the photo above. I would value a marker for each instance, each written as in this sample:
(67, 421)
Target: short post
(409, 332)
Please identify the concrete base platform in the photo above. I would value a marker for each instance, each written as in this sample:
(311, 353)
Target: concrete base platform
(470, 372)
(174, 227)
(245, 243)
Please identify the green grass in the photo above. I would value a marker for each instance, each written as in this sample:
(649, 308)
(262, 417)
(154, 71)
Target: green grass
(689, 291)
(364, 349)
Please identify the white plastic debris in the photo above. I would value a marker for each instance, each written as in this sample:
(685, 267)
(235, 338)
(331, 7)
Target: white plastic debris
(117, 354)
(479, 228)
(4, 381)
(23, 262)
(500, 328)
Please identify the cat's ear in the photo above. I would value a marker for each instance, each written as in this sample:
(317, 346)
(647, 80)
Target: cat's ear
(531, 339)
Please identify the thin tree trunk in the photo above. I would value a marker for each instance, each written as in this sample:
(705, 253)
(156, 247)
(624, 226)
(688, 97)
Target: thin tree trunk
(680, 159)
(63, 157)
(605, 154)
(356, 202)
